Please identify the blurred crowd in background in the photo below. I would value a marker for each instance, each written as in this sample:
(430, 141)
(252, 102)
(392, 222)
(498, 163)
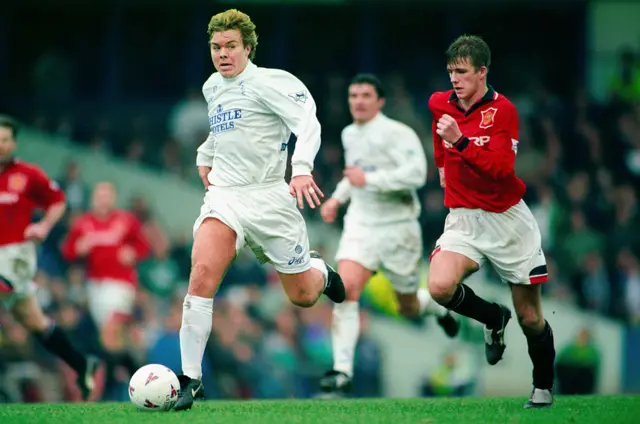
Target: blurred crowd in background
(579, 158)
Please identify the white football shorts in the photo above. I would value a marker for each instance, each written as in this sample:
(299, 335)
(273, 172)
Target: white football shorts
(18, 266)
(509, 240)
(265, 218)
(395, 249)
(109, 299)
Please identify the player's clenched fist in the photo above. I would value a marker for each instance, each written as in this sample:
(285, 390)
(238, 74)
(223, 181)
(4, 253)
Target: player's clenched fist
(448, 129)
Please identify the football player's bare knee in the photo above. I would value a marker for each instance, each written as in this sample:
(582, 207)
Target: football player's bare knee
(214, 248)
(446, 271)
(28, 313)
(528, 306)
(408, 304)
(354, 277)
(303, 289)
(300, 289)
(304, 299)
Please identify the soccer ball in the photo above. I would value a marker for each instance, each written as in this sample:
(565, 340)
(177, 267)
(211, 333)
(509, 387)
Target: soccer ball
(154, 387)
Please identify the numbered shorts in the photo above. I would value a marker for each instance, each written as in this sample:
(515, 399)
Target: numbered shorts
(509, 240)
(395, 249)
(265, 218)
(109, 300)
(18, 266)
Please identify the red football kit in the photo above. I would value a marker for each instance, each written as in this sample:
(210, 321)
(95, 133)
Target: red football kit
(479, 169)
(24, 187)
(107, 236)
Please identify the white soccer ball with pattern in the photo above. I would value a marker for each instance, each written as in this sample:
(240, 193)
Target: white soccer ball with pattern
(154, 387)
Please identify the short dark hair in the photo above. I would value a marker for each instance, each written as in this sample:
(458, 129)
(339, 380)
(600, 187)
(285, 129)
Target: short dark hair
(12, 124)
(472, 47)
(370, 79)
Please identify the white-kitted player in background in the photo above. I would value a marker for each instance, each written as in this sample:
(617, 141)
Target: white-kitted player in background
(252, 113)
(385, 166)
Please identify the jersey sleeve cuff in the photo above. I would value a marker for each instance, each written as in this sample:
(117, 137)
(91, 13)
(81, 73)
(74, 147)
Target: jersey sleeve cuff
(462, 144)
(341, 198)
(300, 169)
(372, 179)
(204, 160)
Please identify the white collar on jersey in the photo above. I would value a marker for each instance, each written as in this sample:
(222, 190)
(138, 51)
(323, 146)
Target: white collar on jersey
(245, 72)
(379, 117)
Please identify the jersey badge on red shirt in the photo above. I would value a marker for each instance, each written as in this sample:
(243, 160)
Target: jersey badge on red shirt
(488, 116)
(17, 183)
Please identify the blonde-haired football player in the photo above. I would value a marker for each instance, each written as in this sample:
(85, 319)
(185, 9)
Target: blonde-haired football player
(252, 113)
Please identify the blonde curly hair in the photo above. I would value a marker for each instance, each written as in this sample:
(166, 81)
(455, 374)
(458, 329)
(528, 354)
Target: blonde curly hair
(234, 19)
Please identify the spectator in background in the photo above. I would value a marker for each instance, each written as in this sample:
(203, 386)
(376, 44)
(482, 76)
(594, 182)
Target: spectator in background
(578, 366)
(189, 120)
(151, 227)
(449, 379)
(77, 191)
(628, 269)
(625, 84)
(160, 275)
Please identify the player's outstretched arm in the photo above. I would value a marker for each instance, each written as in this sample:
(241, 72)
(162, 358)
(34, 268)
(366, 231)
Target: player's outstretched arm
(408, 154)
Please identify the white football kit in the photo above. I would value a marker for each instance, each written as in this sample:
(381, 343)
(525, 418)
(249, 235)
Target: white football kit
(18, 265)
(251, 117)
(381, 229)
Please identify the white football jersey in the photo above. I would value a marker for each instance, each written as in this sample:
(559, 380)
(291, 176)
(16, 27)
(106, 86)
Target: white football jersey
(395, 164)
(251, 117)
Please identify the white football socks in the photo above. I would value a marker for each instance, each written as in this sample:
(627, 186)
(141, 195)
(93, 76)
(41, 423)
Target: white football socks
(197, 313)
(321, 266)
(428, 306)
(344, 334)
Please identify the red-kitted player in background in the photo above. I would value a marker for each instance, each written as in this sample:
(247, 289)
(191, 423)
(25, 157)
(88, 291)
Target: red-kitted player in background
(24, 187)
(110, 242)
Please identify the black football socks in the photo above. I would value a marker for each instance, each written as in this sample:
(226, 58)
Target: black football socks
(543, 355)
(467, 303)
(55, 340)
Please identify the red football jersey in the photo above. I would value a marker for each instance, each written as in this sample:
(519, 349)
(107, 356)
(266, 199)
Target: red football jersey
(479, 169)
(107, 236)
(24, 187)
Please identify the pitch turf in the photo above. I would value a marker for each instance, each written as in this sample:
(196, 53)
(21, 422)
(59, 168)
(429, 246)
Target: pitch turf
(581, 410)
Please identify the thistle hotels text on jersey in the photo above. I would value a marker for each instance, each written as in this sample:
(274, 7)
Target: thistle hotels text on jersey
(224, 120)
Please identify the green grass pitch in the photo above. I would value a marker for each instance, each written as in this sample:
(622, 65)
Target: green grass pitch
(581, 410)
